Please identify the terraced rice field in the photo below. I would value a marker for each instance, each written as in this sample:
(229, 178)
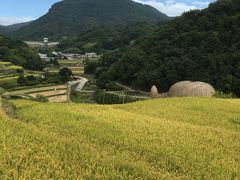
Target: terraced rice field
(10, 81)
(58, 99)
(69, 63)
(76, 66)
(173, 138)
(11, 78)
(49, 93)
(56, 93)
(56, 96)
(75, 70)
(41, 89)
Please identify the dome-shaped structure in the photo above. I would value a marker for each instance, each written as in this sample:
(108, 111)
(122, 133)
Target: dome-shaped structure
(154, 92)
(188, 88)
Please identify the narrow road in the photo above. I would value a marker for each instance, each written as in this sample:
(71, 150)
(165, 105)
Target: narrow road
(79, 83)
(130, 89)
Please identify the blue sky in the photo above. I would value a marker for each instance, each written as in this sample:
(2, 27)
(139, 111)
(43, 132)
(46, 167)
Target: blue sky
(15, 11)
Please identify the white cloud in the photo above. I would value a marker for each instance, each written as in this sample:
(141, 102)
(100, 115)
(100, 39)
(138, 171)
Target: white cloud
(201, 3)
(13, 20)
(173, 8)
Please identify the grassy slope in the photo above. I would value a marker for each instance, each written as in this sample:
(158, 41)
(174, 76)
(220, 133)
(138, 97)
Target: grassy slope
(186, 138)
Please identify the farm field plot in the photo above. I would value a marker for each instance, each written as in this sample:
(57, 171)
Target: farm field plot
(77, 68)
(70, 62)
(57, 93)
(9, 78)
(8, 82)
(2, 76)
(79, 71)
(41, 89)
(58, 99)
(49, 93)
(182, 138)
(66, 61)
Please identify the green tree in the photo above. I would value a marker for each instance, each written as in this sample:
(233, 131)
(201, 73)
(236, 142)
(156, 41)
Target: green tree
(65, 74)
(22, 80)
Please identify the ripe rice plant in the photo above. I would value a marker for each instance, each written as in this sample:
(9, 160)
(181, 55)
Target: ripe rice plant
(185, 138)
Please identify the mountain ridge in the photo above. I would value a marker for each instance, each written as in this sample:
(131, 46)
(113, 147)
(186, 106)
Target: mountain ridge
(13, 27)
(68, 17)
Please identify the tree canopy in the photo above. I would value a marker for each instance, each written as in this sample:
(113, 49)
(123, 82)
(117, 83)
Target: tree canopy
(201, 45)
(19, 53)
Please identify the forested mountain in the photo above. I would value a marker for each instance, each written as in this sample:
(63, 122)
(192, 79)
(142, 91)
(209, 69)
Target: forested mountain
(2, 28)
(105, 39)
(69, 17)
(201, 45)
(19, 54)
(14, 27)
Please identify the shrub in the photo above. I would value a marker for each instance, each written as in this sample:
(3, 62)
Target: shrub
(99, 71)
(22, 80)
(41, 98)
(112, 86)
(32, 80)
(102, 97)
(90, 68)
(219, 94)
(1, 91)
(65, 74)
(9, 108)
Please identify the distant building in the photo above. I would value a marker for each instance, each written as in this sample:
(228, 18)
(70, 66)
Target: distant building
(71, 56)
(44, 57)
(45, 42)
(91, 55)
(55, 53)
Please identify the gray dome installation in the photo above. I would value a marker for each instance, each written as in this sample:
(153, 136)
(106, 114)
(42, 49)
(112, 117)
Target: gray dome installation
(189, 88)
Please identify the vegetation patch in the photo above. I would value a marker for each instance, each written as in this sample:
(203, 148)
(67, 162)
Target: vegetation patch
(222, 95)
(18, 53)
(83, 97)
(104, 97)
(9, 108)
(1, 91)
(41, 98)
(14, 68)
(5, 63)
(236, 120)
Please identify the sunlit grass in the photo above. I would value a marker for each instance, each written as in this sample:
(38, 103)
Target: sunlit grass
(186, 138)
